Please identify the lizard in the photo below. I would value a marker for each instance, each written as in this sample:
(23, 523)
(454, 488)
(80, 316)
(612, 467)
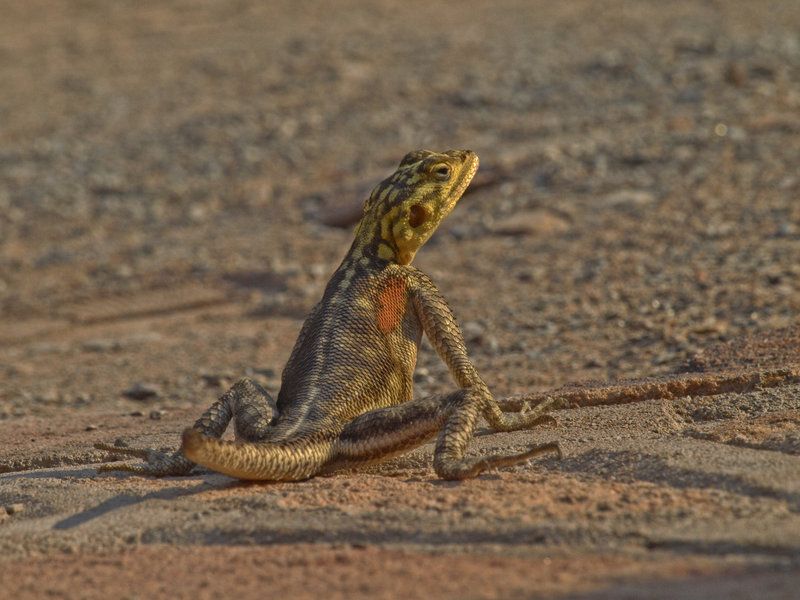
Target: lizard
(346, 391)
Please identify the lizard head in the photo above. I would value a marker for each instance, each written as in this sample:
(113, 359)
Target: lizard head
(405, 209)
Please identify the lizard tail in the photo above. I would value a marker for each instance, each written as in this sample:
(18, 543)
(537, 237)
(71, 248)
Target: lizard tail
(252, 461)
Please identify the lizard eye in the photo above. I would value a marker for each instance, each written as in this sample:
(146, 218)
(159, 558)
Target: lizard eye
(442, 172)
(417, 215)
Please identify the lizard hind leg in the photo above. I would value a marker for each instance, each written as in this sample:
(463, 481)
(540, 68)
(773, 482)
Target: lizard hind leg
(250, 406)
(157, 464)
(383, 433)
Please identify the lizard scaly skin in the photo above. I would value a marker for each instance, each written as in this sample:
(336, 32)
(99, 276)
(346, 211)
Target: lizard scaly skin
(346, 392)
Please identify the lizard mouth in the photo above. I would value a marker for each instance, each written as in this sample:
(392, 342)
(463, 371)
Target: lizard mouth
(466, 178)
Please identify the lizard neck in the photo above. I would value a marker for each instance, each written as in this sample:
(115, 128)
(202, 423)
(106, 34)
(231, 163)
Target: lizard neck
(373, 241)
(362, 259)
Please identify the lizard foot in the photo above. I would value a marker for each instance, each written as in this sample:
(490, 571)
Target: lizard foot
(157, 464)
(499, 460)
(467, 468)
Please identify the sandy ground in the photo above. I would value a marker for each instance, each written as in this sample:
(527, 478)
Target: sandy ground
(179, 179)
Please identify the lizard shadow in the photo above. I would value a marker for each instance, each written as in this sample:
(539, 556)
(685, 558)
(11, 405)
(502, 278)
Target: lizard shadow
(630, 466)
(124, 500)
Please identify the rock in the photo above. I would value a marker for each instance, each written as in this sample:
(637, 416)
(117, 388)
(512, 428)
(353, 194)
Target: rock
(142, 391)
(735, 74)
(214, 379)
(100, 345)
(628, 198)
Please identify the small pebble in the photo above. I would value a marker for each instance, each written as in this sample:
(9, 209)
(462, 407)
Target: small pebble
(213, 380)
(15, 508)
(100, 345)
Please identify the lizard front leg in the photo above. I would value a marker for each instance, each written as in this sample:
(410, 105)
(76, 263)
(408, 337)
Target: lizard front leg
(449, 461)
(246, 403)
(439, 325)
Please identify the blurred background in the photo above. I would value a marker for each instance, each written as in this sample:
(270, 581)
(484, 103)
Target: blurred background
(179, 179)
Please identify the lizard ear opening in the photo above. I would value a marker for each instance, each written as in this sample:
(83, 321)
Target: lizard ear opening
(417, 215)
(442, 172)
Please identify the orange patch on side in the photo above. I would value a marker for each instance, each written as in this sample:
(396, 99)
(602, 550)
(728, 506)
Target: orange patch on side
(391, 304)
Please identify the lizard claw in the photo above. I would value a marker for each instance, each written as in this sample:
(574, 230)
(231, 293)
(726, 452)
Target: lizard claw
(157, 464)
